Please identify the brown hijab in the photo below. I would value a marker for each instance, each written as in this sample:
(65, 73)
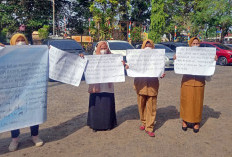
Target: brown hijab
(147, 41)
(191, 40)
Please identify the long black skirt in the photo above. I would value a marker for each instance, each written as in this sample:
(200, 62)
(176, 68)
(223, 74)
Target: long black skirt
(101, 115)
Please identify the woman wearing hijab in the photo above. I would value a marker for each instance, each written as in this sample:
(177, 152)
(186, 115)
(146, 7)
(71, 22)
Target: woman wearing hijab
(101, 115)
(147, 91)
(192, 96)
(20, 39)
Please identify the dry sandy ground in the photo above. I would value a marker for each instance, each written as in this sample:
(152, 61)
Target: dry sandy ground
(66, 135)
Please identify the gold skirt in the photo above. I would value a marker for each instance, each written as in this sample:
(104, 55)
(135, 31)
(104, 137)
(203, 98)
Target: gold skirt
(191, 103)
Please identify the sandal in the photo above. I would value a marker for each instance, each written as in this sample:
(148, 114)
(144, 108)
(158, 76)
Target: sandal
(184, 128)
(196, 130)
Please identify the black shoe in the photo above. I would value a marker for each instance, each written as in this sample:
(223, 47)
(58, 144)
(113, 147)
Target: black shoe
(196, 130)
(184, 128)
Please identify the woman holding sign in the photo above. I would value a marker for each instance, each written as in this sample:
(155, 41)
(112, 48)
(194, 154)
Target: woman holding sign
(101, 115)
(147, 91)
(192, 96)
(20, 39)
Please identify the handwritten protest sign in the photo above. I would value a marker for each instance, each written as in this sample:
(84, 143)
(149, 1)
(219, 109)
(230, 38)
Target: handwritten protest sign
(104, 69)
(145, 62)
(195, 61)
(65, 67)
(23, 86)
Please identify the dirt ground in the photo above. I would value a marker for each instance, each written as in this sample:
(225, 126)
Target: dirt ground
(66, 135)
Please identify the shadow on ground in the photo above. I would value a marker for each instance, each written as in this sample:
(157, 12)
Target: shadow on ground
(129, 113)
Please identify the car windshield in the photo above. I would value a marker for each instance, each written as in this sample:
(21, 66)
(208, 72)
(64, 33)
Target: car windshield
(221, 46)
(66, 44)
(120, 46)
(180, 44)
(167, 49)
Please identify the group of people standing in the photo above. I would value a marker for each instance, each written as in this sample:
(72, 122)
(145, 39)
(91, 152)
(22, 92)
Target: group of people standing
(102, 114)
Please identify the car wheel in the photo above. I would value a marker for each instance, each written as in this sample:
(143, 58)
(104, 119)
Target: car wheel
(222, 61)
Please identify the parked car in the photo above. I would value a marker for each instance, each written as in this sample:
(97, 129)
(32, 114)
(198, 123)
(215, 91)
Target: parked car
(174, 45)
(68, 45)
(169, 53)
(224, 53)
(118, 47)
(230, 45)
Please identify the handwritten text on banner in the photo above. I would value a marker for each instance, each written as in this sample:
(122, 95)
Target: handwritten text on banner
(23, 86)
(104, 68)
(195, 61)
(65, 67)
(145, 62)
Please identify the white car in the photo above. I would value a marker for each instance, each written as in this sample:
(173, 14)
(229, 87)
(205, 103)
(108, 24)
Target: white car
(118, 47)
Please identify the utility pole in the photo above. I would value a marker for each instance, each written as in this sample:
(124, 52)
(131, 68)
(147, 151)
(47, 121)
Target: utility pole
(53, 17)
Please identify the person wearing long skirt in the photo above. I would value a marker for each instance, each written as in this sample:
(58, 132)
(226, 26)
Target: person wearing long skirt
(101, 115)
(192, 96)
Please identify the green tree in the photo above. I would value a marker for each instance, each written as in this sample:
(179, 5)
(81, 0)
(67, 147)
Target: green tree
(136, 35)
(140, 10)
(104, 15)
(158, 16)
(80, 14)
(44, 32)
(32, 13)
(211, 14)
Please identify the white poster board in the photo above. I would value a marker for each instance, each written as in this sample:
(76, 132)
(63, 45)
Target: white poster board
(23, 86)
(104, 69)
(66, 67)
(145, 62)
(195, 61)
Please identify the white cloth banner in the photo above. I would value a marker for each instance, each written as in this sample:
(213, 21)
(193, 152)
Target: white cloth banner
(65, 67)
(23, 86)
(104, 69)
(195, 61)
(145, 62)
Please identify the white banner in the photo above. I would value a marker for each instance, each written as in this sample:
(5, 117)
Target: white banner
(195, 61)
(104, 69)
(145, 62)
(23, 86)
(65, 67)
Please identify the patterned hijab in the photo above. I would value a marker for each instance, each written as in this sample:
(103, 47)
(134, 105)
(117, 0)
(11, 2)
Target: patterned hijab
(99, 47)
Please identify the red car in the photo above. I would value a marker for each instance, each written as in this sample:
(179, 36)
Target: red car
(224, 53)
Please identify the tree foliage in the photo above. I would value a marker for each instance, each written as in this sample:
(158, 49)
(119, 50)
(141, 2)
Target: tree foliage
(104, 15)
(32, 13)
(140, 11)
(213, 15)
(136, 34)
(158, 16)
(44, 32)
(78, 18)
